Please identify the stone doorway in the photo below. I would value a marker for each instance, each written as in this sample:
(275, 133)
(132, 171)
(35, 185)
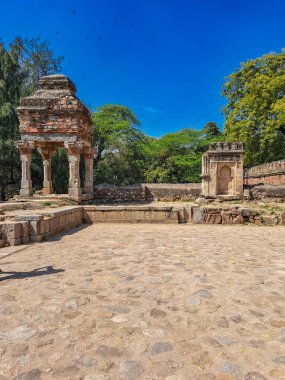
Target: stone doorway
(225, 181)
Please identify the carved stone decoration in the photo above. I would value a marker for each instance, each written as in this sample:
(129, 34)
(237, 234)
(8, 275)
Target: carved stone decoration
(222, 170)
(51, 118)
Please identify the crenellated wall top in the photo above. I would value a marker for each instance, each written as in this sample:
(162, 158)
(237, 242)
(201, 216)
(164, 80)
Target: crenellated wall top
(226, 147)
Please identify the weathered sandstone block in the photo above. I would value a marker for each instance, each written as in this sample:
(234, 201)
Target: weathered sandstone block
(11, 232)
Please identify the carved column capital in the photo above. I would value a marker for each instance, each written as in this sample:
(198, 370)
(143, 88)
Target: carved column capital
(25, 147)
(47, 150)
(89, 152)
(74, 148)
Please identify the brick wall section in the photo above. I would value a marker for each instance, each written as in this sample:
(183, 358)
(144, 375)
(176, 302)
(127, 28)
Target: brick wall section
(270, 179)
(54, 109)
(272, 173)
(147, 191)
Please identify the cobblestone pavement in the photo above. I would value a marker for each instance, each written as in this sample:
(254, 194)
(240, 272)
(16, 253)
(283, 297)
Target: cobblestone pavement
(146, 302)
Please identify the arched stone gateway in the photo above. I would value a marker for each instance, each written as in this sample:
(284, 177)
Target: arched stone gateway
(51, 118)
(222, 170)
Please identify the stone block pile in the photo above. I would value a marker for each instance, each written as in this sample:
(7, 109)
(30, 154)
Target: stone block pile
(267, 192)
(233, 215)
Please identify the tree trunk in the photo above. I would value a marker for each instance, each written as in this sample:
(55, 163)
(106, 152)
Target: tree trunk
(2, 193)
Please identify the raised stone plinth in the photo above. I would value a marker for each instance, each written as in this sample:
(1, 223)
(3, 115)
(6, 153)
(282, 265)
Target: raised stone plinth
(131, 214)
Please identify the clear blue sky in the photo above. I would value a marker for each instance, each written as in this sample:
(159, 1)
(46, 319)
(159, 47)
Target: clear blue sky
(165, 59)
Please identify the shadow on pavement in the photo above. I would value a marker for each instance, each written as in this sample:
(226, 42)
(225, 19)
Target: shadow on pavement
(72, 231)
(34, 273)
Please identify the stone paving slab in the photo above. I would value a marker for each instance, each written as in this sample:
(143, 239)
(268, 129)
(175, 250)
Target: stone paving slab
(148, 302)
(7, 251)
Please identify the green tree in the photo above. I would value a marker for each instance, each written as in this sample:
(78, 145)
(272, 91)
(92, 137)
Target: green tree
(36, 59)
(211, 130)
(20, 68)
(60, 172)
(11, 79)
(176, 157)
(119, 145)
(255, 113)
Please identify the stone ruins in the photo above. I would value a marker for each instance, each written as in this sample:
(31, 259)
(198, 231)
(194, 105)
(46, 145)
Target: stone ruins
(52, 118)
(222, 170)
(114, 299)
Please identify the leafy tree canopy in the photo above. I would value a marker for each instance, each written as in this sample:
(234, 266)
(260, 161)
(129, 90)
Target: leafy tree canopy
(119, 144)
(112, 122)
(176, 157)
(211, 130)
(126, 156)
(36, 59)
(20, 67)
(10, 83)
(255, 113)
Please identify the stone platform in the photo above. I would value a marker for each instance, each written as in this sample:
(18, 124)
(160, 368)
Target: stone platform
(131, 214)
(52, 198)
(145, 301)
(23, 226)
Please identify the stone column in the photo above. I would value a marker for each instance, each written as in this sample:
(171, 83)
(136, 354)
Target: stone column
(205, 174)
(74, 149)
(26, 150)
(88, 161)
(47, 154)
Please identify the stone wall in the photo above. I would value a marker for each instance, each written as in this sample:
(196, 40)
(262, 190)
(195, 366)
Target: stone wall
(173, 191)
(148, 191)
(110, 193)
(26, 228)
(274, 193)
(131, 214)
(234, 215)
(35, 228)
(272, 173)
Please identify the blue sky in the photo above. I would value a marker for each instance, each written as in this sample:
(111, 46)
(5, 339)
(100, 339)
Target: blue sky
(166, 60)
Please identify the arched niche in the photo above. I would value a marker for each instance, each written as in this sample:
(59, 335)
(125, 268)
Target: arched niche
(225, 181)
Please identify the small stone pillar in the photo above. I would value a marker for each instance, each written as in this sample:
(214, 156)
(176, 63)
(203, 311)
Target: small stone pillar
(47, 154)
(26, 150)
(88, 161)
(74, 150)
